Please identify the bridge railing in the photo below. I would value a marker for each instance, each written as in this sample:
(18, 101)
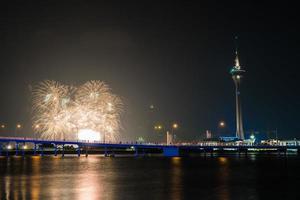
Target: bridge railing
(199, 144)
(74, 141)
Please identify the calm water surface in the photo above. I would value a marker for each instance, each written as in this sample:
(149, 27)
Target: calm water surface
(255, 177)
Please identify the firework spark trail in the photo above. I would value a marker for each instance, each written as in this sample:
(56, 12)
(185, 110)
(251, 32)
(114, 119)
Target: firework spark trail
(60, 111)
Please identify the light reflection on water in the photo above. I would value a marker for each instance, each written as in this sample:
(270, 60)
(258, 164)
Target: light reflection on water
(146, 178)
(176, 178)
(35, 183)
(223, 178)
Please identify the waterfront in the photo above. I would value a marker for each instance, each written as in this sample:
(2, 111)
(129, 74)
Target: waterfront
(95, 177)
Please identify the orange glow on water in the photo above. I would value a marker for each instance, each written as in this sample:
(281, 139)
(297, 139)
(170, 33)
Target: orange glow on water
(222, 160)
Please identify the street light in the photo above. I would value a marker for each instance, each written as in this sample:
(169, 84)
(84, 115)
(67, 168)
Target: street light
(158, 131)
(222, 124)
(158, 127)
(18, 126)
(175, 126)
(2, 127)
(221, 128)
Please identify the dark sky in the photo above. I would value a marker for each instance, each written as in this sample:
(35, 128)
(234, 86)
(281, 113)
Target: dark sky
(175, 55)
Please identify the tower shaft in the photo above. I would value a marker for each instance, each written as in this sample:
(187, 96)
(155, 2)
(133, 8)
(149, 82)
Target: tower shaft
(238, 107)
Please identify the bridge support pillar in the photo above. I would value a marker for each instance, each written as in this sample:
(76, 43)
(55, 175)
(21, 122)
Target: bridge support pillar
(86, 151)
(278, 152)
(136, 154)
(242, 150)
(55, 150)
(23, 151)
(285, 151)
(17, 148)
(42, 151)
(171, 151)
(63, 151)
(34, 151)
(7, 153)
(105, 151)
(78, 151)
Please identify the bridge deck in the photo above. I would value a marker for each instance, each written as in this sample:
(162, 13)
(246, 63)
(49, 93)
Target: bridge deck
(141, 145)
(166, 149)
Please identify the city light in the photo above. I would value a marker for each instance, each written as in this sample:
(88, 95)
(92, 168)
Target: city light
(2, 126)
(9, 146)
(19, 126)
(222, 124)
(175, 126)
(158, 127)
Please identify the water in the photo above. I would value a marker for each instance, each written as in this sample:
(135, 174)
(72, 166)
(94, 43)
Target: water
(222, 178)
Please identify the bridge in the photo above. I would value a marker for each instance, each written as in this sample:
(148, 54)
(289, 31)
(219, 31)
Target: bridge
(19, 146)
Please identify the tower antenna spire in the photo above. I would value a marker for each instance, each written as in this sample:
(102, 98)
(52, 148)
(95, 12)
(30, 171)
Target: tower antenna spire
(236, 44)
(237, 62)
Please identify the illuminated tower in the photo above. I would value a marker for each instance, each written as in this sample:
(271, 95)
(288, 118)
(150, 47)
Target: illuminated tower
(237, 75)
(169, 138)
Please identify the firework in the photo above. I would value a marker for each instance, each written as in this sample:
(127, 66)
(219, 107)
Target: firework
(68, 112)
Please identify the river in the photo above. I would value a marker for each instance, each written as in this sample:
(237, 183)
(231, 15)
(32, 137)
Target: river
(96, 177)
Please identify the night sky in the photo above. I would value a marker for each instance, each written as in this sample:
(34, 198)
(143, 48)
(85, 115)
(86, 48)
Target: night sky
(174, 55)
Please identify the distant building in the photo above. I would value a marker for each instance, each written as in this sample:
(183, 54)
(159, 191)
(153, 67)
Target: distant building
(208, 134)
(169, 138)
(289, 142)
(140, 140)
(228, 139)
(281, 142)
